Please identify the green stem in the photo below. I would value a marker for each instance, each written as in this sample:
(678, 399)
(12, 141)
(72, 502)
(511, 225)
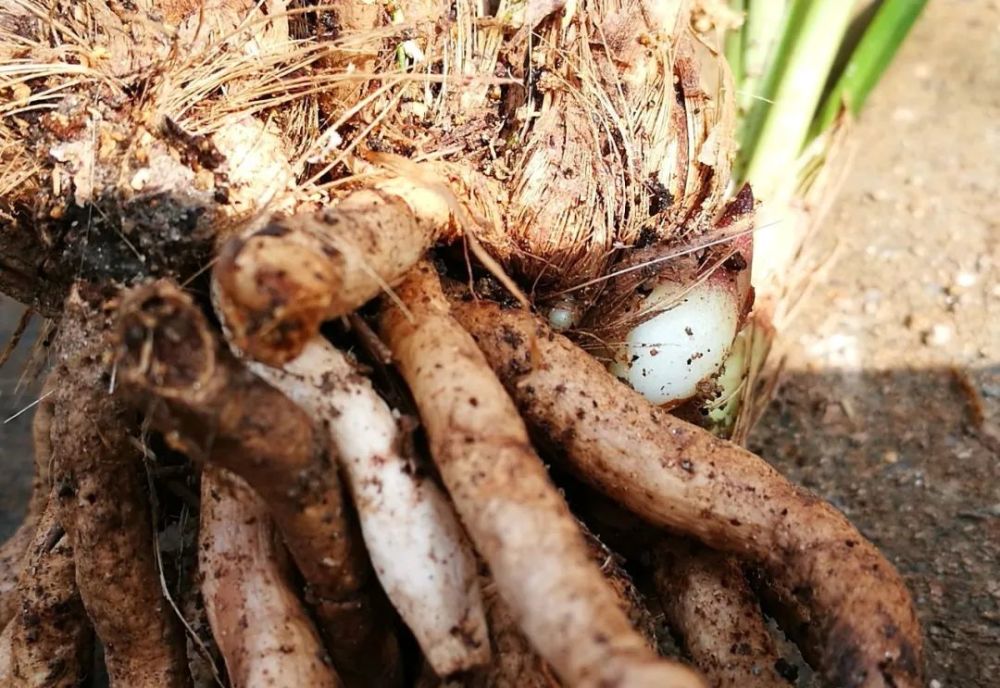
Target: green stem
(761, 33)
(814, 31)
(734, 42)
(878, 45)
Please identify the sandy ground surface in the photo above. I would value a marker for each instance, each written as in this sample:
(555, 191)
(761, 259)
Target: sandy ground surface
(892, 401)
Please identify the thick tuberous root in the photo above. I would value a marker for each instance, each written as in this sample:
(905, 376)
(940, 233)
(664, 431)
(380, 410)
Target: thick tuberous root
(275, 286)
(96, 460)
(407, 522)
(216, 411)
(261, 627)
(51, 637)
(679, 476)
(512, 511)
(709, 604)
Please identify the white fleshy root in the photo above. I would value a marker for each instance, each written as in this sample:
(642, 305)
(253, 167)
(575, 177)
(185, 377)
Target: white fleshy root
(262, 630)
(417, 547)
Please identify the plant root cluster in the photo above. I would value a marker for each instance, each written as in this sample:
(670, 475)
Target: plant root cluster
(309, 420)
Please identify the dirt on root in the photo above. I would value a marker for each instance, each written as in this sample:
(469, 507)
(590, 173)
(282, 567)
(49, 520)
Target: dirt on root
(891, 406)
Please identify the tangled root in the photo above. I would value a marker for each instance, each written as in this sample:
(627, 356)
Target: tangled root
(407, 522)
(215, 411)
(679, 476)
(515, 517)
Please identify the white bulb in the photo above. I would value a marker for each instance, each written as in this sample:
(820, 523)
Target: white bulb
(561, 319)
(666, 357)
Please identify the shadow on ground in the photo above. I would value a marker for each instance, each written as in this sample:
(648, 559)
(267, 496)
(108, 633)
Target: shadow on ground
(15, 433)
(910, 460)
